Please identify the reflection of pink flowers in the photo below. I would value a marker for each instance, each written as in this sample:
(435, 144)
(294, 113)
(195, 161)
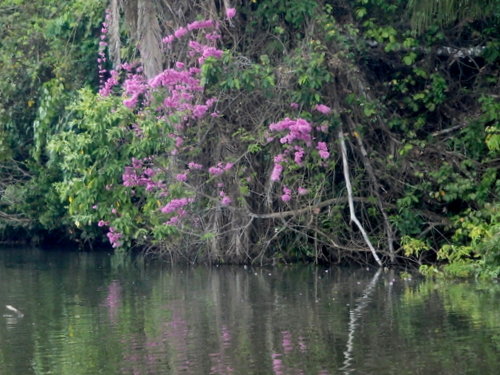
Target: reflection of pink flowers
(277, 364)
(286, 341)
(113, 299)
(302, 344)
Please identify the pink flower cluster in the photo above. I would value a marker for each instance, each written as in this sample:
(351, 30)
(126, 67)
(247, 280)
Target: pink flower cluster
(298, 129)
(111, 82)
(225, 200)
(134, 86)
(177, 206)
(220, 169)
(278, 167)
(194, 166)
(101, 59)
(182, 86)
(230, 12)
(114, 237)
(287, 194)
(139, 174)
(182, 31)
(323, 150)
(323, 109)
(181, 91)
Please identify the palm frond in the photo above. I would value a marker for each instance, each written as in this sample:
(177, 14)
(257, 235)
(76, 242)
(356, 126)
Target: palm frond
(442, 12)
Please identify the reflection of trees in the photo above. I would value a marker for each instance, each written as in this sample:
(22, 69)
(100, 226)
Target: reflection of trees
(88, 314)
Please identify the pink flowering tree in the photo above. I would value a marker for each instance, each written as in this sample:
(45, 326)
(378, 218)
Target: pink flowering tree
(216, 157)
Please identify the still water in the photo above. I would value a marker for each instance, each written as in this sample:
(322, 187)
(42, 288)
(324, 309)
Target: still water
(108, 314)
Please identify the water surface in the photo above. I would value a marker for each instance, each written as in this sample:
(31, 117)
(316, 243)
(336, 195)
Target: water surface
(108, 314)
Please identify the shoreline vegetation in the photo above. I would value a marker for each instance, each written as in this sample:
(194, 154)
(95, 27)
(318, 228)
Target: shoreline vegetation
(255, 131)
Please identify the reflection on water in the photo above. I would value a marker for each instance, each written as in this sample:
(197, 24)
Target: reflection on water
(102, 314)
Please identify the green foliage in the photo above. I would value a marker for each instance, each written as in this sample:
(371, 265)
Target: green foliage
(42, 40)
(423, 120)
(92, 154)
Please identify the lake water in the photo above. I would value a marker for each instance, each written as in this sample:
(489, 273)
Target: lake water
(109, 314)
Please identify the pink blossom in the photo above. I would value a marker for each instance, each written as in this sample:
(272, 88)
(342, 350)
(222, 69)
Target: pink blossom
(179, 65)
(299, 155)
(212, 36)
(298, 129)
(323, 109)
(280, 158)
(109, 84)
(200, 25)
(176, 204)
(168, 39)
(102, 223)
(228, 166)
(174, 220)
(215, 171)
(226, 201)
(324, 155)
(199, 110)
(193, 165)
(127, 67)
(230, 12)
(180, 32)
(276, 173)
(114, 237)
(302, 191)
(210, 102)
(294, 105)
(287, 194)
(181, 177)
(323, 150)
(130, 103)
